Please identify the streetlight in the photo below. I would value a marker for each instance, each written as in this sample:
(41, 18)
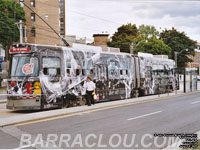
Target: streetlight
(176, 53)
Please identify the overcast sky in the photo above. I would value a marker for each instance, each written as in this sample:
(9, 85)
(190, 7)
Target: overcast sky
(87, 17)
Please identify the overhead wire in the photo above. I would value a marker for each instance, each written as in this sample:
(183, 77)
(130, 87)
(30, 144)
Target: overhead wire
(80, 13)
(64, 41)
(29, 28)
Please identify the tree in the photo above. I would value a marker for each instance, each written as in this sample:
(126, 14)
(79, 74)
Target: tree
(10, 14)
(179, 42)
(153, 46)
(125, 35)
(148, 42)
(147, 31)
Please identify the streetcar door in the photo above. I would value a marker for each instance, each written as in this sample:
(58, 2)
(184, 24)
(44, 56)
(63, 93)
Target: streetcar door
(137, 72)
(101, 81)
(51, 67)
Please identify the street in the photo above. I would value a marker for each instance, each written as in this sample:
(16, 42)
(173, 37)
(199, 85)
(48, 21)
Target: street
(173, 115)
(2, 96)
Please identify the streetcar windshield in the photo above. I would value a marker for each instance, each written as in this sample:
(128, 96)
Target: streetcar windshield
(24, 66)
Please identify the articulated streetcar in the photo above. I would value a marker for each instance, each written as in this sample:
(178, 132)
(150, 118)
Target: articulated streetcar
(50, 76)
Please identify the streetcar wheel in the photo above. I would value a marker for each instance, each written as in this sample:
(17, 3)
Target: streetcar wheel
(83, 101)
(134, 94)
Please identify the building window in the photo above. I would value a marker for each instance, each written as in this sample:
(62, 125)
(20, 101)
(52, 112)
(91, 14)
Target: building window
(32, 16)
(32, 3)
(61, 19)
(33, 32)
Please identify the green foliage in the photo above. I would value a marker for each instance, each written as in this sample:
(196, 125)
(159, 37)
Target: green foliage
(147, 31)
(148, 42)
(179, 42)
(10, 13)
(153, 46)
(125, 35)
(144, 40)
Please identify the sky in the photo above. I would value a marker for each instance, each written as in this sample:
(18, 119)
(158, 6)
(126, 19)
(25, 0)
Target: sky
(87, 17)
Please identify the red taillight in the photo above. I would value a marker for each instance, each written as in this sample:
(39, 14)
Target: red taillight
(12, 83)
(28, 88)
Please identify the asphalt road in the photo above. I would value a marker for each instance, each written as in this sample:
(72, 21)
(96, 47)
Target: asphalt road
(112, 127)
(2, 96)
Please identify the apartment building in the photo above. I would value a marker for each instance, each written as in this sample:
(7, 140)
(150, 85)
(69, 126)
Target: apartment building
(196, 58)
(53, 12)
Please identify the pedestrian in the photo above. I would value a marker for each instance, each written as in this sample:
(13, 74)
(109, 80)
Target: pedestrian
(90, 89)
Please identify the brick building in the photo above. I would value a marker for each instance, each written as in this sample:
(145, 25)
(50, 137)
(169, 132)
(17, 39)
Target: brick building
(195, 58)
(101, 40)
(53, 12)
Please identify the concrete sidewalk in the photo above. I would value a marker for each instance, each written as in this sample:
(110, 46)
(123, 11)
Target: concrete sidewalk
(83, 109)
(3, 101)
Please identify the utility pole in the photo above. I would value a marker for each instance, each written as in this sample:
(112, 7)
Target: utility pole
(21, 31)
(176, 53)
(25, 34)
(131, 48)
(20, 26)
(175, 56)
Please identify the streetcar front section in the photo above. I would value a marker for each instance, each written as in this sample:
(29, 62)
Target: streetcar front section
(24, 88)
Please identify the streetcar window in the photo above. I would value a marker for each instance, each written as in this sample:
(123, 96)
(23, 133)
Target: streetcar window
(89, 64)
(83, 72)
(121, 72)
(68, 71)
(113, 68)
(77, 72)
(51, 66)
(68, 63)
(24, 66)
(87, 72)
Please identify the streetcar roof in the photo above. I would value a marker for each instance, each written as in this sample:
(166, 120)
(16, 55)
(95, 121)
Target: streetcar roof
(87, 48)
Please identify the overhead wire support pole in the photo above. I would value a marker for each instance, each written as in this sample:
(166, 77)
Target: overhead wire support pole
(21, 27)
(64, 41)
(21, 31)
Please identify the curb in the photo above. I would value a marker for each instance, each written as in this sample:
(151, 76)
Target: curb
(3, 101)
(73, 111)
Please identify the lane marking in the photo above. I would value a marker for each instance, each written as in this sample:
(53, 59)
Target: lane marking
(195, 102)
(153, 113)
